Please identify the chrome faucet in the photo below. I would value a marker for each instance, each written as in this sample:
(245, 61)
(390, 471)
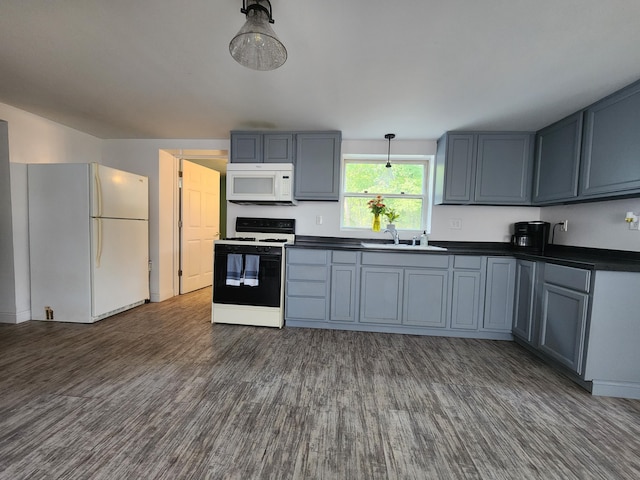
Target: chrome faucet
(394, 234)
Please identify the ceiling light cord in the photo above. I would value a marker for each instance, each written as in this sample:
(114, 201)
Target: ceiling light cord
(389, 136)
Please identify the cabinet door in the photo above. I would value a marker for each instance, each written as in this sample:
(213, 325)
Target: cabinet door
(465, 309)
(381, 295)
(343, 293)
(278, 148)
(503, 170)
(317, 171)
(611, 151)
(557, 160)
(246, 147)
(459, 168)
(425, 298)
(498, 304)
(564, 320)
(524, 300)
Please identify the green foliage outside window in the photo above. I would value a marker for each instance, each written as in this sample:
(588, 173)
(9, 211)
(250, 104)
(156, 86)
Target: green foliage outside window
(402, 187)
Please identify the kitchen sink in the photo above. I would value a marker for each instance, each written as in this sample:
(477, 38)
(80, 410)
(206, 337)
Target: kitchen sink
(403, 246)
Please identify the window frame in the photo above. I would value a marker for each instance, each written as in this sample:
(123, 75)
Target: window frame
(427, 187)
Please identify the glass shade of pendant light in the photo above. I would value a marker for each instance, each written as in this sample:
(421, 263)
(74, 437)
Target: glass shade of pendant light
(389, 136)
(256, 45)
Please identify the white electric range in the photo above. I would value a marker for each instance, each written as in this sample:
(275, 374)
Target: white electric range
(249, 272)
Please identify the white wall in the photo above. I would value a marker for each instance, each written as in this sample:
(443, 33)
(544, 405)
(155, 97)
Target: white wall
(596, 225)
(149, 157)
(32, 139)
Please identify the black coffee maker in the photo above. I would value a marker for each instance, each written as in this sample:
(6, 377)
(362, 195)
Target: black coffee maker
(530, 236)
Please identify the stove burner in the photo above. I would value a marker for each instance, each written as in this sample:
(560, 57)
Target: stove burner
(241, 239)
(274, 240)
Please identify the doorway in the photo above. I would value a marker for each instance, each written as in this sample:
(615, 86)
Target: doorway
(199, 225)
(200, 216)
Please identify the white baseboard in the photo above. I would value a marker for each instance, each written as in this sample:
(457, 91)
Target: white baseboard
(14, 318)
(605, 388)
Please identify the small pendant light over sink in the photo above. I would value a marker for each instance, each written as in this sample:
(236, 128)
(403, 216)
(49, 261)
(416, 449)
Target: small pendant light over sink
(389, 136)
(256, 45)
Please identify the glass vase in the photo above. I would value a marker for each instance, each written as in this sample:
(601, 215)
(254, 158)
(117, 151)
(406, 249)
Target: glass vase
(376, 223)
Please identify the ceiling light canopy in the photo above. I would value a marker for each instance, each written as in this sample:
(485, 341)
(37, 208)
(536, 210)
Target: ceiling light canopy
(256, 45)
(389, 136)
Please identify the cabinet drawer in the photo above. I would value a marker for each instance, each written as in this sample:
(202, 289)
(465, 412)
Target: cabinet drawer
(307, 272)
(307, 289)
(406, 259)
(568, 277)
(464, 261)
(344, 257)
(307, 257)
(306, 308)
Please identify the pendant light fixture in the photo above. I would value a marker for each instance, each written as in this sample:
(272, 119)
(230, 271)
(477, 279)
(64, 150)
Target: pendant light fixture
(256, 45)
(389, 136)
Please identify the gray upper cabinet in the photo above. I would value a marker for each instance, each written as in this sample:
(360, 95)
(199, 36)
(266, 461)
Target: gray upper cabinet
(317, 172)
(278, 147)
(246, 147)
(456, 167)
(503, 171)
(557, 161)
(611, 146)
(261, 147)
(484, 168)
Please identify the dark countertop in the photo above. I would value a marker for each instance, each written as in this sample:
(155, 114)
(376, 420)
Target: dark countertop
(579, 257)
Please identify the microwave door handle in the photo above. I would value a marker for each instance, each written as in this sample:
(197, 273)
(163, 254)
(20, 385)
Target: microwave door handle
(277, 184)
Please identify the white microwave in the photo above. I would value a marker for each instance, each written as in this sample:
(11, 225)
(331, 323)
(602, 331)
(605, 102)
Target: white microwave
(260, 183)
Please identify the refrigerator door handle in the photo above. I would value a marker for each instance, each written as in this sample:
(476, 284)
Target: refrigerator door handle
(98, 192)
(99, 249)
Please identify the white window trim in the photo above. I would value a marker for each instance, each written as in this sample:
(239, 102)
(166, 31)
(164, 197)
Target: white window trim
(427, 196)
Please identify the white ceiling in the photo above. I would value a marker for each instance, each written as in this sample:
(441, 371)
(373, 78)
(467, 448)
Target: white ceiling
(162, 69)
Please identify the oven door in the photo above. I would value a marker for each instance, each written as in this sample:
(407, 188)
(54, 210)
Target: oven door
(265, 294)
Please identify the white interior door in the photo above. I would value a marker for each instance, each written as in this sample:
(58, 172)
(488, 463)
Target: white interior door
(200, 225)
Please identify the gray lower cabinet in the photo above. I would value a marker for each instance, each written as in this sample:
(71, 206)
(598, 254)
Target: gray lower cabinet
(344, 285)
(413, 293)
(557, 161)
(563, 325)
(484, 168)
(467, 300)
(499, 294)
(317, 170)
(381, 295)
(307, 285)
(563, 319)
(611, 146)
(524, 300)
(425, 298)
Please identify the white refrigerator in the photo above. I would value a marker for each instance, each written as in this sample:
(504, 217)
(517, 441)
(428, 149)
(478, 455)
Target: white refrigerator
(88, 241)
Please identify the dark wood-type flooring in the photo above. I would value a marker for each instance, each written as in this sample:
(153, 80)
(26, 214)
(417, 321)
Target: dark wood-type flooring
(160, 393)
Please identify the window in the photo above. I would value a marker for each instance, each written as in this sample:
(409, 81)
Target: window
(404, 187)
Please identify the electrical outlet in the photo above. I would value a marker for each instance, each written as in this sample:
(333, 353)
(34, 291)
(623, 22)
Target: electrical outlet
(455, 223)
(564, 225)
